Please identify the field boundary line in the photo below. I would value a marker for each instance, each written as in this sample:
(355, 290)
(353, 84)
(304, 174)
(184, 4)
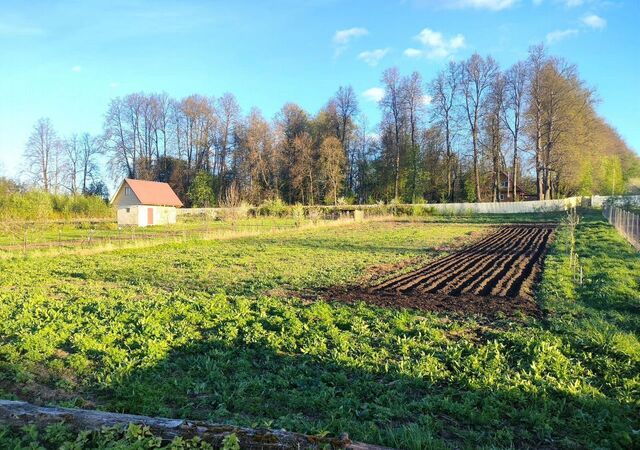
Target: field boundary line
(109, 244)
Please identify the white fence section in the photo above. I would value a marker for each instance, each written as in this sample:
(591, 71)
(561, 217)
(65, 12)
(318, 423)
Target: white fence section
(442, 208)
(598, 201)
(507, 207)
(626, 222)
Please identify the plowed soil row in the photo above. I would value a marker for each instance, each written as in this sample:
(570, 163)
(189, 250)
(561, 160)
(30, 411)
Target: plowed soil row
(495, 274)
(499, 265)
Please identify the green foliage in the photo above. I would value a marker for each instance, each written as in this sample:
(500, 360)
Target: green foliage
(58, 436)
(201, 190)
(39, 205)
(297, 213)
(273, 208)
(231, 442)
(469, 190)
(212, 330)
(612, 176)
(8, 186)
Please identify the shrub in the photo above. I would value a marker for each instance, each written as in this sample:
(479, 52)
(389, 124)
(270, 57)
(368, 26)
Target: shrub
(297, 212)
(201, 191)
(39, 205)
(314, 214)
(273, 208)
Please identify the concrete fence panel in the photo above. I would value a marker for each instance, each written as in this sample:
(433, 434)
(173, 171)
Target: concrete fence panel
(442, 208)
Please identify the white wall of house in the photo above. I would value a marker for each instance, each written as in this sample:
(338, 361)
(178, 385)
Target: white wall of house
(138, 215)
(128, 216)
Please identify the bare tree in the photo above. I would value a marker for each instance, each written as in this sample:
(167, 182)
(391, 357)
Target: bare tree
(90, 148)
(41, 154)
(304, 166)
(228, 111)
(72, 152)
(363, 159)
(413, 100)
(346, 105)
(332, 163)
(478, 73)
(392, 107)
(444, 90)
(493, 121)
(290, 122)
(535, 64)
(119, 138)
(515, 98)
(258, 162)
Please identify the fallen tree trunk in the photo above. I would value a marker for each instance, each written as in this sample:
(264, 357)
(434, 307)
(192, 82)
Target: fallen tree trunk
(16, 413)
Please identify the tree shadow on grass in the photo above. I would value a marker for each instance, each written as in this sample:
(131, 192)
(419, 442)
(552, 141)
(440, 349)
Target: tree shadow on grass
(254, 385)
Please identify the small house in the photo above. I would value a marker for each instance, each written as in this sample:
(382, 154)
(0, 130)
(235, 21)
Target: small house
(142, 203)
(505, 193)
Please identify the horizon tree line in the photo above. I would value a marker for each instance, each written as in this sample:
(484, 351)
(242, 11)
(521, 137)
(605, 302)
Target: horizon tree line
(475, 132)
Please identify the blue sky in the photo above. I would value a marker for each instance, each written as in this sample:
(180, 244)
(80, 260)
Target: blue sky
(66, 59)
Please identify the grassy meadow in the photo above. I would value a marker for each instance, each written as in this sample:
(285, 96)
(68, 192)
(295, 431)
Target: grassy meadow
(215, 329)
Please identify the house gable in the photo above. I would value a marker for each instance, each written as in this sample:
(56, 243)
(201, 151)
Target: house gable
(125, 196)
(141, 192)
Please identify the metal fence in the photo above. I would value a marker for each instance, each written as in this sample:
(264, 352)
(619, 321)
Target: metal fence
(626, 222)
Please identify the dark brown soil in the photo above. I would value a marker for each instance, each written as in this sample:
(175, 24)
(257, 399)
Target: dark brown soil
(493, 277)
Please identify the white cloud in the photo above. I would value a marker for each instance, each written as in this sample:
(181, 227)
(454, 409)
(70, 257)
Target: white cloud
(537, 2)
(559, 35)
(456, 42)
(426, 100)
(572, 3)
(492, 5)
(374, 94)
(114, 85)
(76, 69)
(373, 57)
(430, 38)
(594, 21)
(343, 37)
(436, 45)
(412, 53)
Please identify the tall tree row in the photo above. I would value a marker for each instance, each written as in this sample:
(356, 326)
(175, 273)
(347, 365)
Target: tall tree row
(473, 133)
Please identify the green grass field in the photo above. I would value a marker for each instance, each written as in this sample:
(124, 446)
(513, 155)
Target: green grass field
(50, 236)
(74, 234)
(212, 329)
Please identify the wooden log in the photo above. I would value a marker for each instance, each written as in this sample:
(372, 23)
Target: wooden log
(17, 413)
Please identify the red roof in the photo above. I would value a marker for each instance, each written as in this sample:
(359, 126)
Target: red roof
(153, 193)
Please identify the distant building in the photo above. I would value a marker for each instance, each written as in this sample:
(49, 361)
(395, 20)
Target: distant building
(142, 203)
(504, 190)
